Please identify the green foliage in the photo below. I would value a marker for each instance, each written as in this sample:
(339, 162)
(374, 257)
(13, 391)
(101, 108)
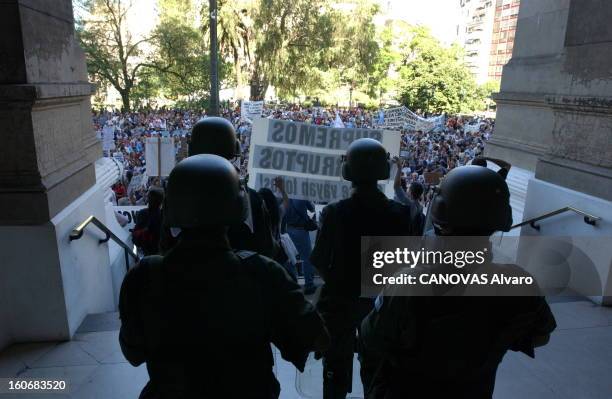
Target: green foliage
(292, 46)
(434, 79)
(356, 54)
(388, 58)
(174, 65)
(368, 72)
(182, 11)
(273, 42)
(112, 53)
(180, 61)
(312, 48)
(146, 92)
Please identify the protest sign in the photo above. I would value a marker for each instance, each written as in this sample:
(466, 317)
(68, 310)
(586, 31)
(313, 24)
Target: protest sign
(475, 128)
(308, 157)
(429, 124)
(183, 148)
(403, 118)
(432, 178)
(338, 122)
(251, 110)
(160, 156)
(393, 118)
(130, 213)
(139, 181)
(108, 138)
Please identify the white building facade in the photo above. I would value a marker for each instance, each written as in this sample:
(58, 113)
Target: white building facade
(475, 34)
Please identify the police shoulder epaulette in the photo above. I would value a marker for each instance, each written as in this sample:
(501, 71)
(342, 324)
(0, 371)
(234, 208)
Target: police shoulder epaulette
(243, 254)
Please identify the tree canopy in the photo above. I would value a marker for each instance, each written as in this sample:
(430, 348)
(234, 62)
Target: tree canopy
(310, 48)
(273, 42)
(113, 54)
(434, 78)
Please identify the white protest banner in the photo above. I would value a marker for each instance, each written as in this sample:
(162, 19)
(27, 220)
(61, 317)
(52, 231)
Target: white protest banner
(403, 118)
(308, 157)
(108, 138)
(160, 156)
(138, 182)
(251, 110)
(429, 124)
(475, 128)
(130, 213)
(393, 118)
(338, 122)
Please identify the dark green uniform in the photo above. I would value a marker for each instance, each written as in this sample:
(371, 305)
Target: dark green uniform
(447, 347)
(203, 318)
(336, 256)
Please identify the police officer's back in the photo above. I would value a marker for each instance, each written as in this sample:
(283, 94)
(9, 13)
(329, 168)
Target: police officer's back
(203, 316)
(217, 136)
(439, 347)
(337, 251)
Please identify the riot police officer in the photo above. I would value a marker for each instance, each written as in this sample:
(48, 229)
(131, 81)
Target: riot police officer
(336, 255)
(202, 315)
(215, 135)
(440, 346)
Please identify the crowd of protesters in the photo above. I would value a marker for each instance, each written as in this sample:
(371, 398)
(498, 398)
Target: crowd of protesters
(424, 156)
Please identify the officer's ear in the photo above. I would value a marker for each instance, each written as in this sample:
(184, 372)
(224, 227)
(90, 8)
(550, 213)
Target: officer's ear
(242, 206)
(346, 170)
(509, 219)
(388, 173)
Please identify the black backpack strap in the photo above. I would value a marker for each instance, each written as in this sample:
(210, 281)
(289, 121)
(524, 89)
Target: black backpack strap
(254, 265)
(153, 265)
(153, 300)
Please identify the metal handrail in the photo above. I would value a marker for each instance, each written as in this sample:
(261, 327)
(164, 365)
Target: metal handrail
(588, 218)
(77, 233)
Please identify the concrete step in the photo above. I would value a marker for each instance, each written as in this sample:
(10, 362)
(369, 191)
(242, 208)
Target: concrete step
(100, 322)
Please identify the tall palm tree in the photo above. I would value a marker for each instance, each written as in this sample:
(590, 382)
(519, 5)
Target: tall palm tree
(234, 33)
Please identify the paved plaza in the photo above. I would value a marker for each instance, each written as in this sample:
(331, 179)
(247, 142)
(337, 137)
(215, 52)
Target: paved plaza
(577, 363)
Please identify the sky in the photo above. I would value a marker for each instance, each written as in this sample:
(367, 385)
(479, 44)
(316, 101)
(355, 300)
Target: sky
(439, 15)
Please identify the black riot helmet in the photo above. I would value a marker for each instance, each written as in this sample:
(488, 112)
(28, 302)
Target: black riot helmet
(472, 200)
(366, 161)
(214, 135)
(203, 191)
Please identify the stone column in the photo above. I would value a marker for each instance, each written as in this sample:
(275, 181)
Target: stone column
(555, 105)
(554, 117)
(48, 139)
(48, 150)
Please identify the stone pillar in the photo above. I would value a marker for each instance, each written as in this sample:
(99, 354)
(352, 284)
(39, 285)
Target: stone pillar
(555, 105)
(48, 150)
(554, 116)
(48, 139)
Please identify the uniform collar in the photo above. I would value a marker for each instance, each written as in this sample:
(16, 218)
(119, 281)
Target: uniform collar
(204, 243)
(367, 192)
